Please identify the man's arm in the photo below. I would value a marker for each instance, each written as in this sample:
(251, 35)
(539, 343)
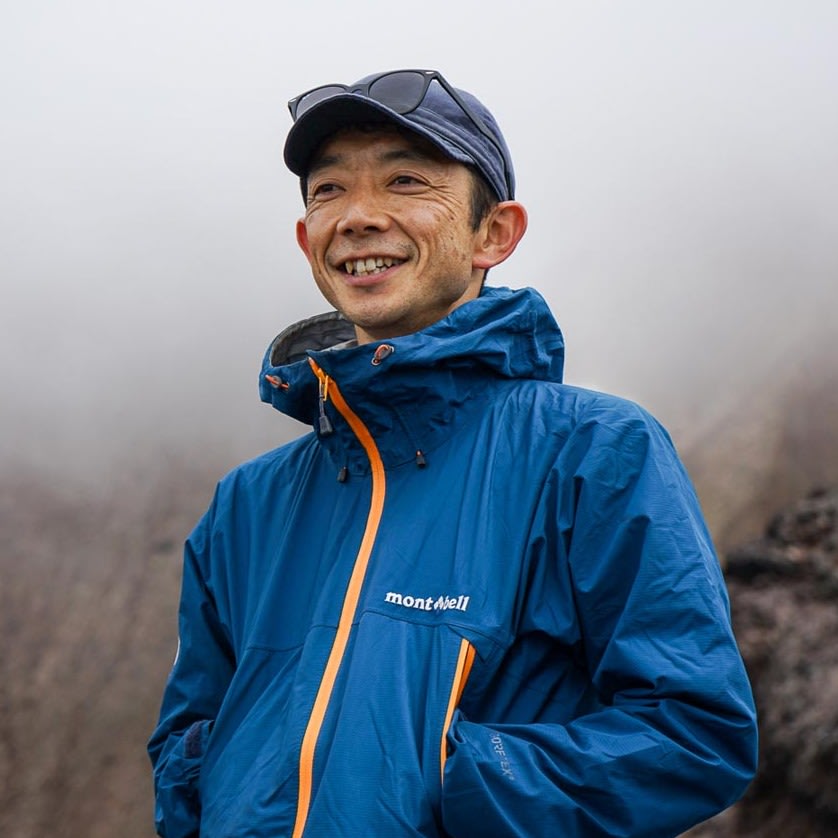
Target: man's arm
(194, 691)
(674, 738)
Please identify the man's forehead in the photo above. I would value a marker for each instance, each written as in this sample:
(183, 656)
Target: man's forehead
(385, 142)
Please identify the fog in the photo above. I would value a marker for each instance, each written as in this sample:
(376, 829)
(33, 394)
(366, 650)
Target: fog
(678, 161)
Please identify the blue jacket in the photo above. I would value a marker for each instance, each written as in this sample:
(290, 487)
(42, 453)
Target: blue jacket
(474, 601)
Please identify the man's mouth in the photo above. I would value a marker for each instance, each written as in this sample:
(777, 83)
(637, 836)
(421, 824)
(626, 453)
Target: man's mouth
(370, 266)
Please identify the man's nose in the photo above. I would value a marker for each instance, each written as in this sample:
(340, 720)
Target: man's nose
(362, 213)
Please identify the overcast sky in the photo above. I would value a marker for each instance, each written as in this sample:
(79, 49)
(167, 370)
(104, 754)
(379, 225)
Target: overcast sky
(678, 160)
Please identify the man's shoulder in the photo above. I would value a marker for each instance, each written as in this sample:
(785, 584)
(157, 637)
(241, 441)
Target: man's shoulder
(587, 405)
(268, 465)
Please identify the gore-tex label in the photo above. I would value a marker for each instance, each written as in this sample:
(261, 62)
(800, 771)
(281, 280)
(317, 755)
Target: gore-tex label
(503, 761)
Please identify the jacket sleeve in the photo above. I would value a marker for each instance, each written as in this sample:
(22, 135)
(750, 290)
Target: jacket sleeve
(194, 691)
(671, 737)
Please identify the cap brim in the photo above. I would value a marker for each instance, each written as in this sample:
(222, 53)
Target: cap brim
(309, 132)
(316, 125)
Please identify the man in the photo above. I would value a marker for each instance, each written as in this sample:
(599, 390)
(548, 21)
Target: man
(474, 600)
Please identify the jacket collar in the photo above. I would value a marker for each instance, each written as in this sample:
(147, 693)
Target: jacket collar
(410, 390)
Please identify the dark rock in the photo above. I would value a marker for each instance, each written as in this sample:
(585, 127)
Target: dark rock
(784, 602)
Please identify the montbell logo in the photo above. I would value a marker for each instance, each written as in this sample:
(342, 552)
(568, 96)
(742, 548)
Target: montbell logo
(441, 603)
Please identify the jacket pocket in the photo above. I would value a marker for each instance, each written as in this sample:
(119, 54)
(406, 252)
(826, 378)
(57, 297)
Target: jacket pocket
(178, 805)
(465, 659)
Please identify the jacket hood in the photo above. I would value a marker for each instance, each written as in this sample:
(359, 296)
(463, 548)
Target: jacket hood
(503, 334)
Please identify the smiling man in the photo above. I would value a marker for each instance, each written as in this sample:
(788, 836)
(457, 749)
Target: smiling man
(388, 232)
(473, 600)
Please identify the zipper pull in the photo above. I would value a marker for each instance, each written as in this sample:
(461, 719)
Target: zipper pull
(323, 394)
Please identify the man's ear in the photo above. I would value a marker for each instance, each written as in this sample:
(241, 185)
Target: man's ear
(302, 238)
(499, 234)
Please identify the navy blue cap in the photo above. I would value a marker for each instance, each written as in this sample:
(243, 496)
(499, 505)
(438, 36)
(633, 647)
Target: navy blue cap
(438, 119)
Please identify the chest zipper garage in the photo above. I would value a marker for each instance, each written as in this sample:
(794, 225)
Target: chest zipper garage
(328, 389)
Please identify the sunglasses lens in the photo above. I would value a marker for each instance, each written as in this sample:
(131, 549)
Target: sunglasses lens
(402, 91)
(313, 97)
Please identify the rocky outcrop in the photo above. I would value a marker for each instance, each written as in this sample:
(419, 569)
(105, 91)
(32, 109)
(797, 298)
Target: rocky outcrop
(784, 601)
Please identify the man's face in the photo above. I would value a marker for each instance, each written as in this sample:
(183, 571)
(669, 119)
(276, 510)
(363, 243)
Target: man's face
(387, 232)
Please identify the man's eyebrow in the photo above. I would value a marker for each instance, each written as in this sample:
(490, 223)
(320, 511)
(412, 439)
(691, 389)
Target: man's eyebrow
(393, 155)
(323, 162)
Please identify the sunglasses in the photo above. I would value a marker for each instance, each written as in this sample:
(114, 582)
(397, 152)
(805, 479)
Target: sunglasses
(401, 91)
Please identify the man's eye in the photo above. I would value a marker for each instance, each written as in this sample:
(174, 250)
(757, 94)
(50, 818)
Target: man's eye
(323, 189)
(405, 180)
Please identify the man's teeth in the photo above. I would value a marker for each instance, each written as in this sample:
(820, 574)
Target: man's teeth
(365, 267)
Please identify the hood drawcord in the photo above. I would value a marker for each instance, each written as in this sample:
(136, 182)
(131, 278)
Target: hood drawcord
(276, 382)
(384, 350)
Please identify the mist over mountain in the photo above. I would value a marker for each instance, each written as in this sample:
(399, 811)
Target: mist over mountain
(677, 161)
(775, 441)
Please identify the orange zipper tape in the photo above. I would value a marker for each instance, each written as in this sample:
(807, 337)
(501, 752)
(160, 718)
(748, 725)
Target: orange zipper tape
(350, 600)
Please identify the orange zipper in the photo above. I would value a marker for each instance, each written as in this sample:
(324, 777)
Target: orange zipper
(328, 389)
(464, 661)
